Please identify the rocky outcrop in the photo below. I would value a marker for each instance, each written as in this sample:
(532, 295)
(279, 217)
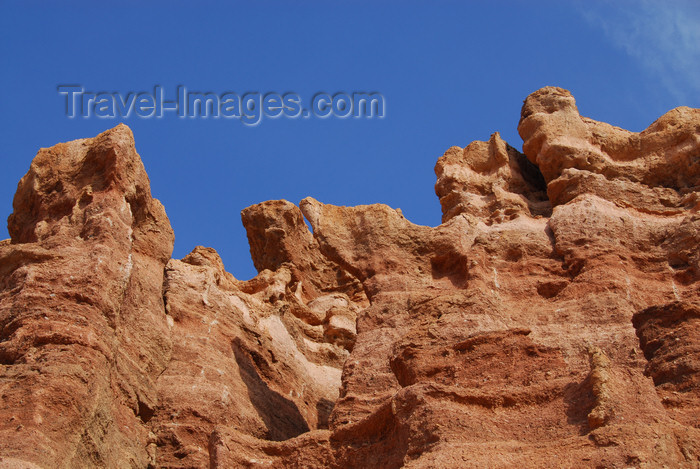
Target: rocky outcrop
(83, 332)
(491, 181)
(550, 320)
(654, 171)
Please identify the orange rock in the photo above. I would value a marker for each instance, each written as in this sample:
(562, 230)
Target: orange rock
(550, 321)
(84, 334)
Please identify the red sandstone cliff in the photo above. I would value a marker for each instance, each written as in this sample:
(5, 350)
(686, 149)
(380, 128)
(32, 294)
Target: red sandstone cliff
(552, 320)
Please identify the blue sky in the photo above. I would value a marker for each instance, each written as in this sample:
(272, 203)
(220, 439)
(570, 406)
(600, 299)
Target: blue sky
(450, 73)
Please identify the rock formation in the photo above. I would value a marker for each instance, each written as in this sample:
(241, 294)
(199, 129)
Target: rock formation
(551, 320)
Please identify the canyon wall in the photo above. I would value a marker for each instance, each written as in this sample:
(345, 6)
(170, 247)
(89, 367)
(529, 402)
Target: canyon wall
(551, 320)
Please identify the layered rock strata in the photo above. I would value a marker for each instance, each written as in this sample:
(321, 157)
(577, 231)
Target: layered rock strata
(551, 320)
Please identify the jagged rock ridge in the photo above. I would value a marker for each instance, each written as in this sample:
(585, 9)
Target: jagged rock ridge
(553, 319)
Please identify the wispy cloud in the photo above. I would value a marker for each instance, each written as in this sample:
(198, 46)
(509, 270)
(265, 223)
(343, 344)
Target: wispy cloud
(664, 36)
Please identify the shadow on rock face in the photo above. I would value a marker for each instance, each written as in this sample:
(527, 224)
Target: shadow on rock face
(280, 415)
(668, 335)
(324, 407)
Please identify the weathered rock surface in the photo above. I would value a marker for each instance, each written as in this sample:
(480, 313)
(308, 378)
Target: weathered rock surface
(83, 331)
(552, 320)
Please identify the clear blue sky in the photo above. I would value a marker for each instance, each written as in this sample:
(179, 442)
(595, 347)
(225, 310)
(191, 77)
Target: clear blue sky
(450, 72)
